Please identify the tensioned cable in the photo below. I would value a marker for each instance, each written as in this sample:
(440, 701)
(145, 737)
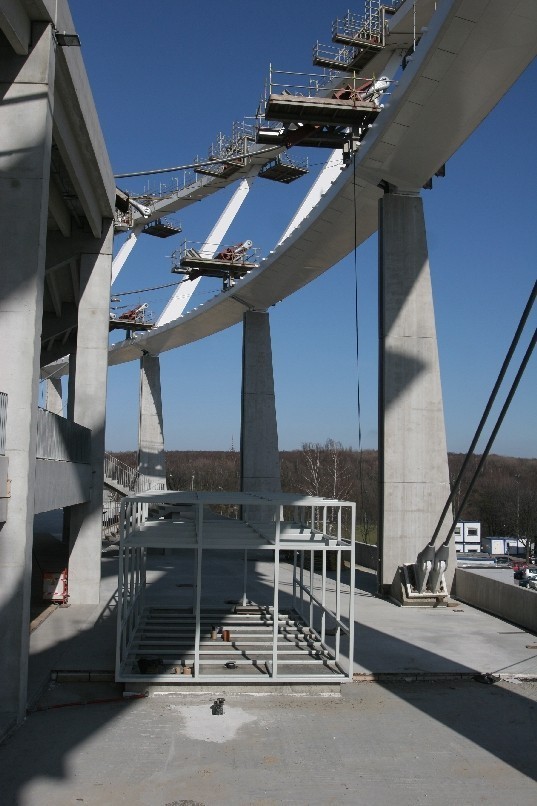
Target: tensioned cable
(153, 288)
(356, 310)
(488, 407)
(357, 330)
(503, 412)
(195, 165)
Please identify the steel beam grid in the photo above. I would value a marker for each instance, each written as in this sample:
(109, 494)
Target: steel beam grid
(265, 636)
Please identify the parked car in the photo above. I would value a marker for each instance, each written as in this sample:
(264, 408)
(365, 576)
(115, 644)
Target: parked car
(503, 561)
(475, 560)
(526, 574)
(529, 581)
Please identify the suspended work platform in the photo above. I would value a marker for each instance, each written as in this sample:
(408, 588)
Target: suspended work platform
(349, 59)
(301, 632)
(284, 169)
(162, 228)
(229, 264)
(345, 110)
(305, 135)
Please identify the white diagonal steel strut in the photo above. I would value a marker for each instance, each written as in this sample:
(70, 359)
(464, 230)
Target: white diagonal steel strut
(121, 257)
(327, 176)
(180, 298)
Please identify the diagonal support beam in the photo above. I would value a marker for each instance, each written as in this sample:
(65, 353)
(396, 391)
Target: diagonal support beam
(179, 299)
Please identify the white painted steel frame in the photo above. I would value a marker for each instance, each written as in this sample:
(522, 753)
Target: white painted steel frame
(132, 578)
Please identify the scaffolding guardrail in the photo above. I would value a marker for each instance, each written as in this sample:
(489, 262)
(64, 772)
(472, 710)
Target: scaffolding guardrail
(198, 253)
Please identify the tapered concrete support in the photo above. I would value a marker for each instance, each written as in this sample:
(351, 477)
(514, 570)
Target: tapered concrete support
(151, 456)
(53, 395)
(87, 404)
(26, 88)
(260, 460)
(413, 468)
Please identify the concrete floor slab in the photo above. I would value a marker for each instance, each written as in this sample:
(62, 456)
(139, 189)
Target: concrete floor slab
(374, 744)
(448, 740)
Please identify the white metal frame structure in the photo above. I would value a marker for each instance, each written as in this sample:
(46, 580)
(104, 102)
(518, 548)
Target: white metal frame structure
(265, 644)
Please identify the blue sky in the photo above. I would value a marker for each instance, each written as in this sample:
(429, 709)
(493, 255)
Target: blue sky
(167, 77)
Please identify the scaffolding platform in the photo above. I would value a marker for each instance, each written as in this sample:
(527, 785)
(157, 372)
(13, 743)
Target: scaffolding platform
(229, 264)
(221, 170)
(349, 59)
(345, 110)
(193, 641)
(284, 170)
(307, 136)
(368, 29)
(136, 320)
(162, 228)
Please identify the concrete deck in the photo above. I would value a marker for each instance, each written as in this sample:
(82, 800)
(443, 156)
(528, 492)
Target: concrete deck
(449, 738)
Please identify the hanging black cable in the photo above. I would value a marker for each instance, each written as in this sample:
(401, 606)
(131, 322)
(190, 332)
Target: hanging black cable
(357, 330)
(152, 288)
(490, 403)
(503, 412)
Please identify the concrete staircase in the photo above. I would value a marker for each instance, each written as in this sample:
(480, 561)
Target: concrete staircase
(122, 479)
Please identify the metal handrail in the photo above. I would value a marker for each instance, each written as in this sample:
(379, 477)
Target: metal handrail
(127, 478)
(123, 475)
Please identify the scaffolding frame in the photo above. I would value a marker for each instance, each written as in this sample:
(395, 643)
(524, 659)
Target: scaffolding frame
(316, 526)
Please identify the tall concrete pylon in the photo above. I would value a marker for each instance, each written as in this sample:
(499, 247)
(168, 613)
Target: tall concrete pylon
(260, 459)
(151, 455)
(25, 143)
(413, 467)
(87, 406)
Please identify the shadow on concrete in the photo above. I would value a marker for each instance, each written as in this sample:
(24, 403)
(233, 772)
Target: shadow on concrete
(495, 718)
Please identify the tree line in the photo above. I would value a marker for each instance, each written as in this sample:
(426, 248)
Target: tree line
(504, 498)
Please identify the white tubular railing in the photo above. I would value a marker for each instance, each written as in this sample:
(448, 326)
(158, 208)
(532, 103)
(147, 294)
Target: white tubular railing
(3, 422)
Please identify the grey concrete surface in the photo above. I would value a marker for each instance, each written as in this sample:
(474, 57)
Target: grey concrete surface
(260, 460)
(451, 740)
(25, 143)
(499, 595)
(87, 406)
(413, 469)
(371, 745)
(151, 455)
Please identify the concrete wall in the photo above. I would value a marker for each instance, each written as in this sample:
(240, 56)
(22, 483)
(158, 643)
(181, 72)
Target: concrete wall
(367, 555)
(502, 599)
(60, 484)
(4, 487)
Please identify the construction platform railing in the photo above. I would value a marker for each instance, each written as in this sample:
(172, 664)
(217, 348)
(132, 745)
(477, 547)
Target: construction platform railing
(285, 82)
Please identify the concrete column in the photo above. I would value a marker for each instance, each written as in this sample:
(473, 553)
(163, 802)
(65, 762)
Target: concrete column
(151, 456)
(26, 88)
(53, 395)
(260, 460)
(413, 468)
(87, 406)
